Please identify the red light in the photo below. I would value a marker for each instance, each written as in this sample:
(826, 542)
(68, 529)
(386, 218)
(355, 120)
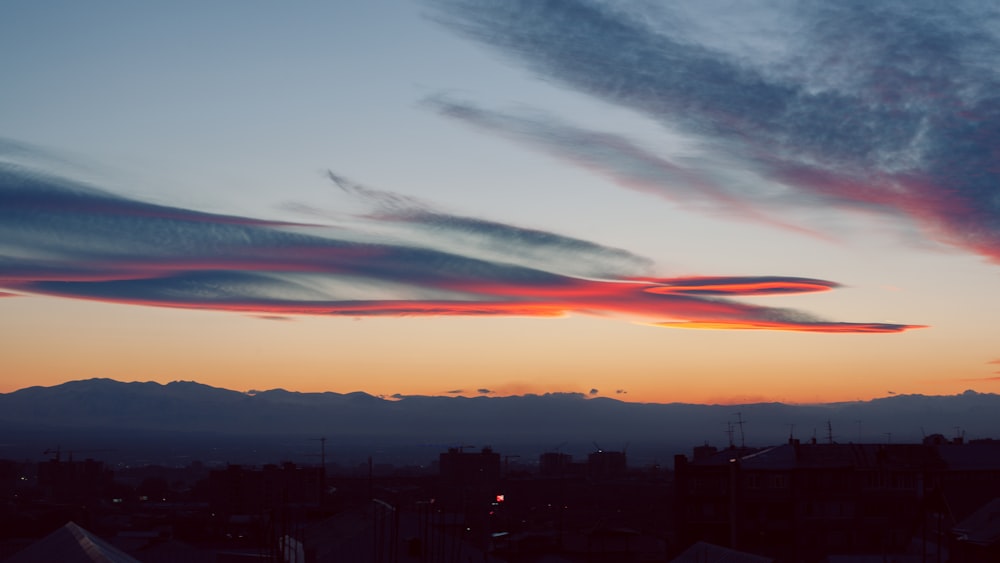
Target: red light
(499, 498)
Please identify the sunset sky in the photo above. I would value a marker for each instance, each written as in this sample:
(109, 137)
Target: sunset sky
(719, 201)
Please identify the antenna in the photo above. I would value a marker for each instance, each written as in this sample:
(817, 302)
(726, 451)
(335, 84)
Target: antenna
(322, 451)
(829, 432)
(322, 467)
(740, 421)
(729, 432)
(791, 432)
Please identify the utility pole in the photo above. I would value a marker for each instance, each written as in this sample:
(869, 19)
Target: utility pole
(322, 468)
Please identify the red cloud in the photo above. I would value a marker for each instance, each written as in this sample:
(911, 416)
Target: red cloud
(681, 300)
(91, 245)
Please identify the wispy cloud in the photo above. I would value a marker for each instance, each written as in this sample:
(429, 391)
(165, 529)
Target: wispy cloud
(59, 237)
(273, 317)
(493, 240)
(698, 183)
(891, 107)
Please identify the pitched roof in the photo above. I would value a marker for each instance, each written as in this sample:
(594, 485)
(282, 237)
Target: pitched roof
(983, 527)
(704, 552)
(71, 544)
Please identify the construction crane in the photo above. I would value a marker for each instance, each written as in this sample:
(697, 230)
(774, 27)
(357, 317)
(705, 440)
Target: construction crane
(57, 453)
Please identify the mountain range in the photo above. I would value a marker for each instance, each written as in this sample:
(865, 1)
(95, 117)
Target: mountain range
(168, 423)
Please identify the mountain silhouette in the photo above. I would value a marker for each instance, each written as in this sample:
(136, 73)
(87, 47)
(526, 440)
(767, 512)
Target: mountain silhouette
(167, 418)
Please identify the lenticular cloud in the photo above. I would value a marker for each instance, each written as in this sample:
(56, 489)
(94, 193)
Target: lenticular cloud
(64, 238)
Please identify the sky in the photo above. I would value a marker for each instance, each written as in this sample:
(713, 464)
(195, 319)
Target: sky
(712, 201)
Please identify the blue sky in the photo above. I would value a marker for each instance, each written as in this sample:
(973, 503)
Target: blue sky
(489, 152)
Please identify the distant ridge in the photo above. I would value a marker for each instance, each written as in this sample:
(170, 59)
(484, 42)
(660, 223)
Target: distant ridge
(102, 407)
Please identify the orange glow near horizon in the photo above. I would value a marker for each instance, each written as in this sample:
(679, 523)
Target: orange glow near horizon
(434, 355)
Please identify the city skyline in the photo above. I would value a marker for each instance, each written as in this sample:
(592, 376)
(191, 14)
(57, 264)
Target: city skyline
(465, 197)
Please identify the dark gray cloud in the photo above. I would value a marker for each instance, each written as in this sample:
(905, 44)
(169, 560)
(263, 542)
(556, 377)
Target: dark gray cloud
(891, 106)
(64, 238)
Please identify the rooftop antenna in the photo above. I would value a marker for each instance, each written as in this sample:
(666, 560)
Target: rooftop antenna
(791, 432)
(740, 421)
(729, 432)
(829, 432)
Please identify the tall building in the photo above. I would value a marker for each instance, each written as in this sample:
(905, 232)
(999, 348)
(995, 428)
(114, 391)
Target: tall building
(804, 501)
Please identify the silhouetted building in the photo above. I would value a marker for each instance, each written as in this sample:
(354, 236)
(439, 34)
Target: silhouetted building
(469, 487)
(465, 470)
(606, 465)
(800, 502)
(74, 481)
(702, 452)
(239, 490)
(554, 464)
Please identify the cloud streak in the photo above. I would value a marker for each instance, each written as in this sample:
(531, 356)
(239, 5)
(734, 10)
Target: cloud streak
(891, 107)
(62, 238)
(498, 241)
(697, 183)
